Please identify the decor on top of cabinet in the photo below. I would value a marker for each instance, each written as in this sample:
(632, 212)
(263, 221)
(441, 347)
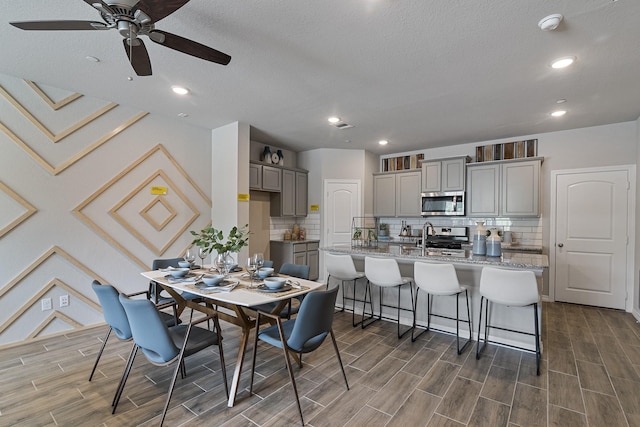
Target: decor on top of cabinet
(280, 158)
(412, 161)
(507, 150)
(364, 232)
(266, 155)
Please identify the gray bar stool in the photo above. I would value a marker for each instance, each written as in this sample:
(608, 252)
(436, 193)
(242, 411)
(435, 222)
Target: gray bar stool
(385, 273)
(440, 280)
(341, 268)
(512, 288)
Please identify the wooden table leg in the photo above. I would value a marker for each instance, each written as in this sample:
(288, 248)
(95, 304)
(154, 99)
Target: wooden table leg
(235, 381)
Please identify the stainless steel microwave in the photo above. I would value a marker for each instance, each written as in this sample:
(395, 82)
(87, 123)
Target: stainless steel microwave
(449, 203)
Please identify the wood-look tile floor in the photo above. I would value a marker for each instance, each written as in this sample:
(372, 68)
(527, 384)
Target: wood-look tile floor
(590, 377)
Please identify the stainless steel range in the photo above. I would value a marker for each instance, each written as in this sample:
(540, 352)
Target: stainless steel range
(447, 237)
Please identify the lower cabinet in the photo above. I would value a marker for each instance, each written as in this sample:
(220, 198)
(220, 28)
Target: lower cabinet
(301, 253)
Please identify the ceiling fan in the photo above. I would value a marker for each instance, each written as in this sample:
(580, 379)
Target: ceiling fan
(134, 18)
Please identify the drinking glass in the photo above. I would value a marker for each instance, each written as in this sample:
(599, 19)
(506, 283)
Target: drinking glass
(251, 268)
(190, 256)
(258, 259)
(202, 253)
(220, 264)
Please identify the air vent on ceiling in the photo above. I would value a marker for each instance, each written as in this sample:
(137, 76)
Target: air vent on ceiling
(342, 125)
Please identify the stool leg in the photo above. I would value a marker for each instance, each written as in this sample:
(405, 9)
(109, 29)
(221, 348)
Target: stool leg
(470, 322)
(460, 350)
(353, 304)
(479, 327)
(367, 291)
(415, 320)
(537, 335)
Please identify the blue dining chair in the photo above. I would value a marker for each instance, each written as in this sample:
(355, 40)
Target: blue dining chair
(303, 334)
(293, 270)
(163, 346)
(116, 317)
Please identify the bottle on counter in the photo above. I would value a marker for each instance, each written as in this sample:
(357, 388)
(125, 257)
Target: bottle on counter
(479, 239)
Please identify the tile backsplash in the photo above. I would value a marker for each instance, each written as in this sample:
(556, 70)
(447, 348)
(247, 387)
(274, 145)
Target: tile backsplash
(525, 231)
(311, 223)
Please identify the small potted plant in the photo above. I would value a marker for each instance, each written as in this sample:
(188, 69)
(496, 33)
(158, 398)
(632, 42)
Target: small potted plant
(383, 229)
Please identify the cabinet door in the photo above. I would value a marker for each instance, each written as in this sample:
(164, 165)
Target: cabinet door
(313, 259)
(301, 194)
(300, 258)
(384, 195)
(521, 188)
(255, 176)
(271, 178)
(288, 193)
(482, 197)
(431, 177)
(408, 194)
(453, 174)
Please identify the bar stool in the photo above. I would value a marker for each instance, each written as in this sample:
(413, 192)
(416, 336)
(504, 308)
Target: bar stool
(341, 268)
(440, 280)
(385, 273)
(511, 288)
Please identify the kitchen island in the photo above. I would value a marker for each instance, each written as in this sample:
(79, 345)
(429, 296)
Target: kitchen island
(468, 268)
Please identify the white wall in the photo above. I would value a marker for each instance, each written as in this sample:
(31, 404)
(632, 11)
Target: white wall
(92, 243)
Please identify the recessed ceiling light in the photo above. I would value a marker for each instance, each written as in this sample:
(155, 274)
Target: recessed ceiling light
(561, 101)
(183, 115)
(383, 142)
(333, 119)
(180, 90)
(563, 62)
(559, 113)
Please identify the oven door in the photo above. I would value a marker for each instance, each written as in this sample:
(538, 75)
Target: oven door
(449, 203)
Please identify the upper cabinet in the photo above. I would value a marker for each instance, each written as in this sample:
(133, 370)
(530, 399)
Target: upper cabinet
(397, 194)
(444, 175)
(265, 178)
(510, 188)
(292, 200)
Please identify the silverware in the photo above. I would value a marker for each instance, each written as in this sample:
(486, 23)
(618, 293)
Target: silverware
(295, 284)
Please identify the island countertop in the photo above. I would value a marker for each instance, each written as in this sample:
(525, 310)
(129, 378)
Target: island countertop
(515, 260)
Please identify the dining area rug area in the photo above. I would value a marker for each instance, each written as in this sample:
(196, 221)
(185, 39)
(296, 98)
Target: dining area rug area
(590, 375)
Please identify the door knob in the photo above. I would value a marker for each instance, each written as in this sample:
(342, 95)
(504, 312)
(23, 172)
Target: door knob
(560, 245)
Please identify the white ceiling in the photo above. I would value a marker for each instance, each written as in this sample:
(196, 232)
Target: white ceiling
(420, 73)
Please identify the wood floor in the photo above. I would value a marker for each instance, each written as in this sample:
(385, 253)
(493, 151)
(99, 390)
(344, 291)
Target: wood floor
(590, 377)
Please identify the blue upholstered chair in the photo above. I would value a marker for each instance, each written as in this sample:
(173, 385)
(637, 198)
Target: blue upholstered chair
(116, 317)
(293, 270)
(163, 346)
(303, 334)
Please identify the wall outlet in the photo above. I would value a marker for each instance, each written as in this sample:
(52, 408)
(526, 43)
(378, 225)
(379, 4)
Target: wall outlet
(46, 304)
(64, 300)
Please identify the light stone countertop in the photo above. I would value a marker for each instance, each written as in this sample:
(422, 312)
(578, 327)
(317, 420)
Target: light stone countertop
(514, 260)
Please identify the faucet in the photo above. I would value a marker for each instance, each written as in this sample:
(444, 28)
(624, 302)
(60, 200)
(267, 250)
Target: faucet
(425, 235)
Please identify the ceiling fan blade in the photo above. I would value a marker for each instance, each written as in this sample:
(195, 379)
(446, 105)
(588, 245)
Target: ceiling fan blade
(189, 47)
(138, 57)
(158, 9)
(60, 25)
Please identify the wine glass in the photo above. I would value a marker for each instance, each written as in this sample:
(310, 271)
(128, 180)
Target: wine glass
(190, 256)
(220, 263)
(251, 268)
(258, 259)
(202, 253)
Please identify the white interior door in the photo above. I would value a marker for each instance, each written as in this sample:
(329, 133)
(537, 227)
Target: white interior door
(591, 237)
(342, 203)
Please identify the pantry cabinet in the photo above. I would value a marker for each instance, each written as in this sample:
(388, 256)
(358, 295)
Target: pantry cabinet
(506, 188)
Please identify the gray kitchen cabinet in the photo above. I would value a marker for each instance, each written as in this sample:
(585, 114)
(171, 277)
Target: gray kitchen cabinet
(397, 194)
(508, 188)
(444, 175)
(296, 252)
(292, 199)
(265, 178)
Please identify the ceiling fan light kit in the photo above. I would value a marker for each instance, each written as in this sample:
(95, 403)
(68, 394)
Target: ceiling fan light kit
(134, 18)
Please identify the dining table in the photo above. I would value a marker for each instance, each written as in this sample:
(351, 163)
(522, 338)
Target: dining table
(237, 295)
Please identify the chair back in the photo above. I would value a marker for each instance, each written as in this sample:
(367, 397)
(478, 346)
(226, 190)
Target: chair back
(267, 263)
(436, 278)
(166, 262)
(113, 312)
(509, 287)
(341, 266)
(314, 321)
(295, 270)
(382, 271)
(150, 333)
